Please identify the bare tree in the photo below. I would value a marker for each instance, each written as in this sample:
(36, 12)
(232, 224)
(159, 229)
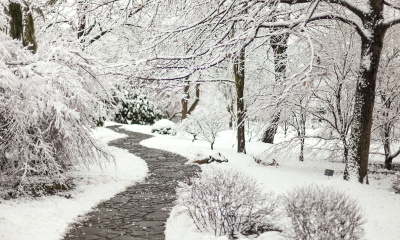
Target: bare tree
(333, 90)
(387, 108)
(215, 21)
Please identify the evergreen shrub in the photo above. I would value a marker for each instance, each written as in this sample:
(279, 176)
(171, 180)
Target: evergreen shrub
(137, 109)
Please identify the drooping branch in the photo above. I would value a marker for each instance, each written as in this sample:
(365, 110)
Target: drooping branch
(391, 5)
(391, 21)
(321, 16)
(347, 4)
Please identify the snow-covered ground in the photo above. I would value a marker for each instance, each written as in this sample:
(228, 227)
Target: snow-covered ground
(379, 202)
(48, 218)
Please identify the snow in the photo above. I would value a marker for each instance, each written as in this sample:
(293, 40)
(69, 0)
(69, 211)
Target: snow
(163, 125)
(380, 204)
(48, 217)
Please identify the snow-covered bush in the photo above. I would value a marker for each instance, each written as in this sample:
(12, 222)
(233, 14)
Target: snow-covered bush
(47, 105)
(396, 183)
(137, 109)
(316, 213)
(226, 202)
(206, 124)
(164, 126)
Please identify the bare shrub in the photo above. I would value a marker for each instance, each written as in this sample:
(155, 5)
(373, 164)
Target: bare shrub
(321, 213)
(228, 203)
(205, 124)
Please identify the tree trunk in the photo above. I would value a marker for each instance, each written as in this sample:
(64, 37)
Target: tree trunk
(279, 47)
(302, 132)
(196, 101)
(388, 162)
(185, 101)
(345, 159)
(269, 134)
(345, 152)
(22, 26)
(386, 147)
(82, 7)
(231, 118)
(357, 166)
(301, 156)
(16, 25)
(29, 38)
(385, 132)
(238, 69)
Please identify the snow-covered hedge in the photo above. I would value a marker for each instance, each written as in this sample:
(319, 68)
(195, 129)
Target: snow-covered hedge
(137, 109)
(321, 213)
(164, 126)
(227, 202)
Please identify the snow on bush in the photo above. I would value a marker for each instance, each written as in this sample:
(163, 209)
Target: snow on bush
(321, 213)
(47, 105)
(396, 183)
(205, 124)
(164, 126)
(226, 202)
(137, 109)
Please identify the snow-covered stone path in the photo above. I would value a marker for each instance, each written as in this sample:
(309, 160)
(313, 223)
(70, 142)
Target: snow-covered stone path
(142, 210)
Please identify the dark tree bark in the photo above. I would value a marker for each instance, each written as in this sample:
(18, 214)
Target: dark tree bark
(371, 47)
(302, 132)
(387, 128)
(196, 101)
(238, 69)
(185, 101)
(279, 47)
(16, 25)
(82, 19)
(29, 38)
(22, 26)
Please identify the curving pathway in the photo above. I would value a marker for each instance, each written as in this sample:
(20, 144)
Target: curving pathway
(142, 210)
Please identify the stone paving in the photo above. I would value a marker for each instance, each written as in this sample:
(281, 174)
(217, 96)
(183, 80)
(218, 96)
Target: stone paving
(142, 210)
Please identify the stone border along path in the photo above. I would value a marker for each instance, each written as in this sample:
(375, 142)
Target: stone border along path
(142, 210)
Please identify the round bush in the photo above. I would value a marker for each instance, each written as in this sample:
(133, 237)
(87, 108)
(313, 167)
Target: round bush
(164, 126)
(321, 213)
(138, 110)
(227, 203)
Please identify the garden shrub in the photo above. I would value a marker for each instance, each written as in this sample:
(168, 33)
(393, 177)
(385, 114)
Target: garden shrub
(164, 126)
(137, 109)
(317, 213)
(228, 203)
